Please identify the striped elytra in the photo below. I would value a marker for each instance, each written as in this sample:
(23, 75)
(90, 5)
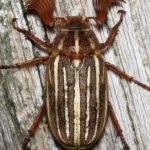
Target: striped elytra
(76, 91)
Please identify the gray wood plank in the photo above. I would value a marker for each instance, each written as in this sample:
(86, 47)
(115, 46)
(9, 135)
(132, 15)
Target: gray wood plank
(21, 90)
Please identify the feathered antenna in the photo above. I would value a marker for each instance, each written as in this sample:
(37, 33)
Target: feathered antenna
(44, 9)
(101, 8)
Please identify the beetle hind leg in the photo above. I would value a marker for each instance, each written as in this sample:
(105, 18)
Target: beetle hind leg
(26, 141)
(117, 127)
(33, 127)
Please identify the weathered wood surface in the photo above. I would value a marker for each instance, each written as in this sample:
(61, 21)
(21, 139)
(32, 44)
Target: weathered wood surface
(21, 90)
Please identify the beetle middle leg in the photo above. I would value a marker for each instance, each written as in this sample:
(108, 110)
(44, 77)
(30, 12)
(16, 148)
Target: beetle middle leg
(117, 126)
(126, 76)
(26, 64)
(34, 126)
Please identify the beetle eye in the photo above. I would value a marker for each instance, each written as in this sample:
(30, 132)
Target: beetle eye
(59, 24)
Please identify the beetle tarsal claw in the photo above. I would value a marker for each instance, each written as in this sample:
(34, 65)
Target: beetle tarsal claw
(122, 12)
(14, 19)
(14, 23)
(26, 141)
(124, 143)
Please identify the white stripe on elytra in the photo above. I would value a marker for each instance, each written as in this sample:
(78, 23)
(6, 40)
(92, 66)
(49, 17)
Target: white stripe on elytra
(97, 94)
(92, 43)
(56, 93)
(103, 74)
(77, 109)
(47, 93)
(61, 42)
(66, 106)
(56, 64)
(88, 103)
(77, 94)
(76, 38)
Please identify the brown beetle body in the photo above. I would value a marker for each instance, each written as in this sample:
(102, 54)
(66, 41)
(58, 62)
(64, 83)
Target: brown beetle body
(77, 99)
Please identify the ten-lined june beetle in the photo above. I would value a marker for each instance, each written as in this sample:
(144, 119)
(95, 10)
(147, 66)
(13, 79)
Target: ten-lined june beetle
(76, 100)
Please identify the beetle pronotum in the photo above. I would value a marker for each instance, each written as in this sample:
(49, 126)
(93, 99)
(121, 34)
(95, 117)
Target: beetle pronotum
(76, 99)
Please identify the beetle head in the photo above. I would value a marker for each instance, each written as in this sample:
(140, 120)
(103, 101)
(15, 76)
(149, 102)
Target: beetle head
(71, 23)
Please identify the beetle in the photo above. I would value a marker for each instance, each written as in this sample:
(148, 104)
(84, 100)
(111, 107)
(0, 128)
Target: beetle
(76, 100)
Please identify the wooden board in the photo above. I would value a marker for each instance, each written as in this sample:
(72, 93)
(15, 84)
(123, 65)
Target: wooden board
(21, 90)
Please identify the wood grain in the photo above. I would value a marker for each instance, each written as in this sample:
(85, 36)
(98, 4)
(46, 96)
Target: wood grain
(21, 90)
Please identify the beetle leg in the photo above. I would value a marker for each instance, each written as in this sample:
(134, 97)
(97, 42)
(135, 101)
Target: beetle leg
(34, 126)
(113, 33)
(30, 36)
(126, 76)
(117, 126)
(101, 8)
(26, 63)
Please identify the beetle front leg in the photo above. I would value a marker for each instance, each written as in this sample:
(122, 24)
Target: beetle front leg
(126, 76)
(34, 126)
(117, 126)
(102, 7)
(113, 33)
(26, 63)
(30, 36)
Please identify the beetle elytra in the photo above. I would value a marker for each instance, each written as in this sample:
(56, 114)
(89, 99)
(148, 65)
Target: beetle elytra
(76, 100)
